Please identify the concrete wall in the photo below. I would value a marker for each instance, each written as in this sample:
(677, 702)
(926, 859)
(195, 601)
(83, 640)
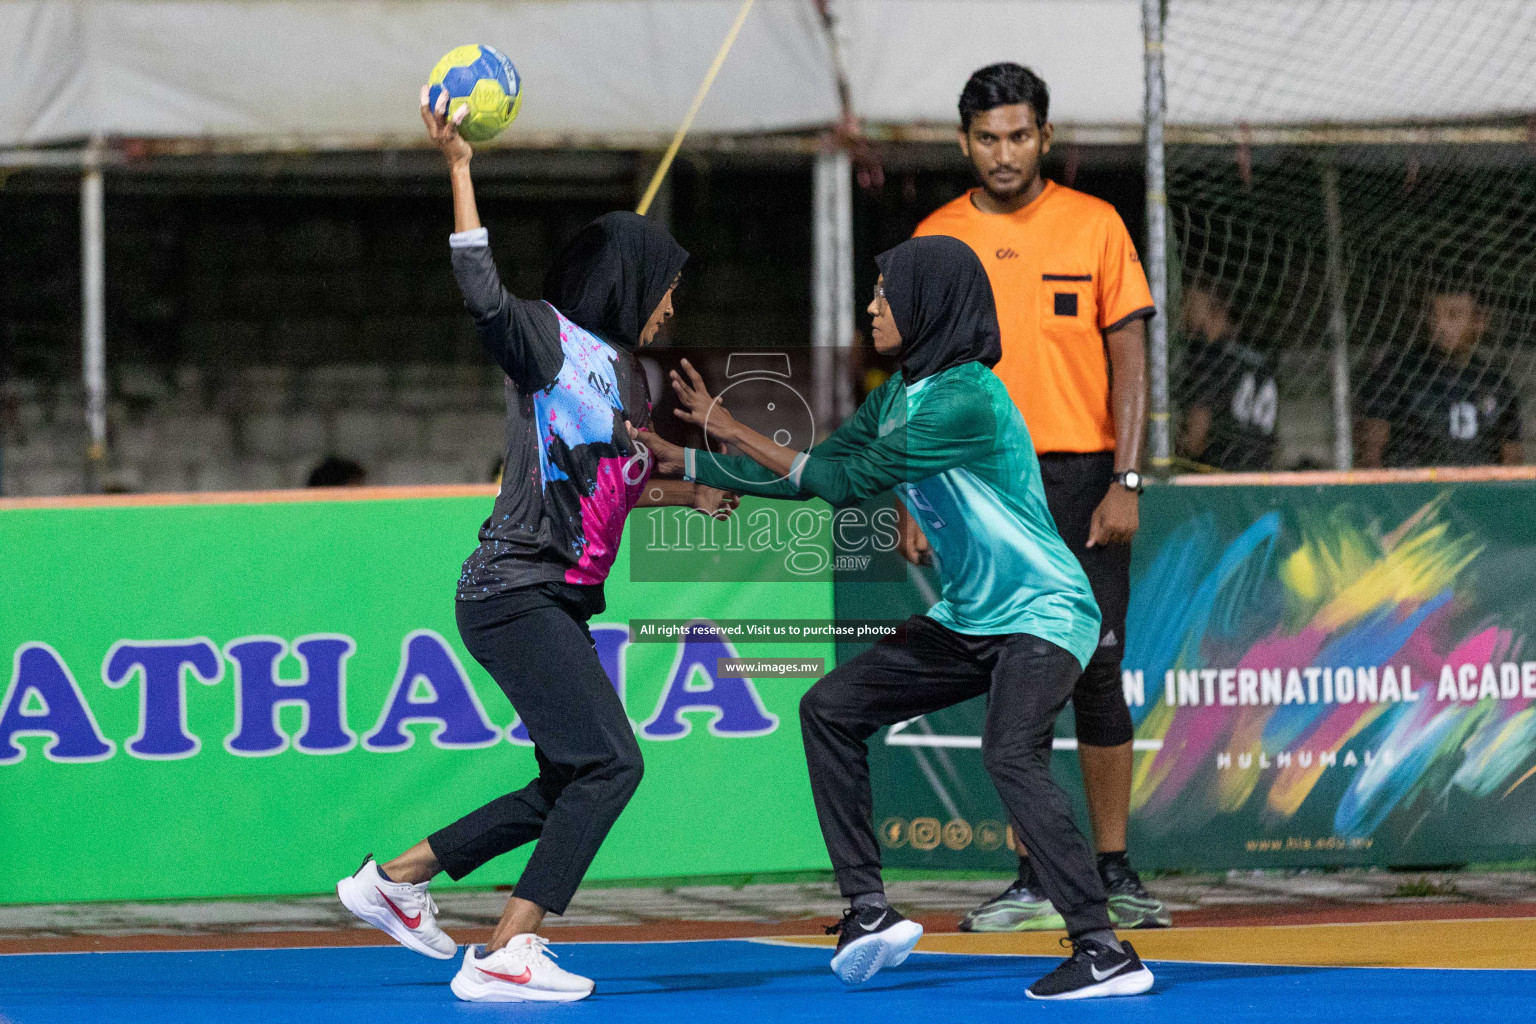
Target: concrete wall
(264, 312)
(259, 427)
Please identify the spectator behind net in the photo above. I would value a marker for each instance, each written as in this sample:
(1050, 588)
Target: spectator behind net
(1441, 404)
(1227, 389)
(335, 471)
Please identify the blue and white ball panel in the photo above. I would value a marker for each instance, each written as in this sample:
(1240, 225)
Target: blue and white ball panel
(461, 75)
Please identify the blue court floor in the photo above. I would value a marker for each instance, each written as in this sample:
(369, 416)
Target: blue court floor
(737, 982)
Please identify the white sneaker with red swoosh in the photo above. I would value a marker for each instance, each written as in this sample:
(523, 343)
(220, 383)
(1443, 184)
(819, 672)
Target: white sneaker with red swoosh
(519, 972)
(405, 912)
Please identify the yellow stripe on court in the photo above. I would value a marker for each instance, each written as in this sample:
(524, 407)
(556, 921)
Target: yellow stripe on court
(1499, 943)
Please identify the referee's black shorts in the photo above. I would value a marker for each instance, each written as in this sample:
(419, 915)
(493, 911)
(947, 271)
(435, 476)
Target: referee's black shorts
(1074, 486)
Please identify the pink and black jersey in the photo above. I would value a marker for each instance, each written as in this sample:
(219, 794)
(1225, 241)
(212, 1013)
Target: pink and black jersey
(571, 473)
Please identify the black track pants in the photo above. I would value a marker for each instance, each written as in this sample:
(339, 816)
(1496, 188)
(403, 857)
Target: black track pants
(538, 649)
(1027, 681)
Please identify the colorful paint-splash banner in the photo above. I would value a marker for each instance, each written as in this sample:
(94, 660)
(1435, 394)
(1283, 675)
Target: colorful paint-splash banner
(1318, 675)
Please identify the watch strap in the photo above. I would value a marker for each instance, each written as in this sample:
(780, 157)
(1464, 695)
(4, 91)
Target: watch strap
(1120, 478)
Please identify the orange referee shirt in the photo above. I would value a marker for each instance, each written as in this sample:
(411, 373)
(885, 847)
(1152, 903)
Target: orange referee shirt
(1063, 272)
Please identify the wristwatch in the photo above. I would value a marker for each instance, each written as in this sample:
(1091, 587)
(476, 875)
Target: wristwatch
(1130, 480)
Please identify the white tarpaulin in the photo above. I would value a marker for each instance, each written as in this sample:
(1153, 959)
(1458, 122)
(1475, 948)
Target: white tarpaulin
(150, 68)
(350, 69)
(1277, 62)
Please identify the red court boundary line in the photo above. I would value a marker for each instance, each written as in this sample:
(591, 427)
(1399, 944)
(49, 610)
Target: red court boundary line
(658, 931)
(308, 494)
(1249, 915)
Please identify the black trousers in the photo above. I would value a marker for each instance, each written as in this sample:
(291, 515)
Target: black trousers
(1074, 486)
(535, 643)
(1027, 681)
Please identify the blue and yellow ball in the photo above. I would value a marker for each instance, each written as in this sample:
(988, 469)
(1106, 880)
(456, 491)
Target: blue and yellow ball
(482, 78)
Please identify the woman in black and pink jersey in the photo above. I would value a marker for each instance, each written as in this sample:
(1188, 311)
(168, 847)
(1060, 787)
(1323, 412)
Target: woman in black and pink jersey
(571, 476)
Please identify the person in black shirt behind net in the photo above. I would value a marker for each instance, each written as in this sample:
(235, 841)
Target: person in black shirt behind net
(1227, 389)
(1441, 404)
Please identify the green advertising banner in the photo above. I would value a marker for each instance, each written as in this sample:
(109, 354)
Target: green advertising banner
(241, 699)
(1318, 675)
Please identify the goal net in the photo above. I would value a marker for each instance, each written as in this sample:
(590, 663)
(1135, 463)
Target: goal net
(1351, 232)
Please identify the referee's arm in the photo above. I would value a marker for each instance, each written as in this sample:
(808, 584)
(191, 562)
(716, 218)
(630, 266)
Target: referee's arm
(1118, 516)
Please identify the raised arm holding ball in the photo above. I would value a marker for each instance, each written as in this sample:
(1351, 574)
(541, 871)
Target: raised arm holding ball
(527, 592)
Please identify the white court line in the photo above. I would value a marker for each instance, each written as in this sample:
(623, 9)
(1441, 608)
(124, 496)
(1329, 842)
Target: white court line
(899, 737)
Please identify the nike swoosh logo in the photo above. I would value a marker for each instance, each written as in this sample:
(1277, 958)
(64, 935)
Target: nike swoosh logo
(872, 927)
(516, 979)
(409, 922)
(1122, 965)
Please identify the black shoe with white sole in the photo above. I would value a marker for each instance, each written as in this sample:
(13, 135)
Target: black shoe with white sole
(871, 938)
(1094, 970)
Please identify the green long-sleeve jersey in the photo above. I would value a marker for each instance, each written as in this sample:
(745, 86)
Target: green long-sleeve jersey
(955, 449)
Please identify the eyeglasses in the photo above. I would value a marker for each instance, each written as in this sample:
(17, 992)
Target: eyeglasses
(879, 292)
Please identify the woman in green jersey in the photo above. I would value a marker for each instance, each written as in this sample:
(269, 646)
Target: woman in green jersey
(1016, 621)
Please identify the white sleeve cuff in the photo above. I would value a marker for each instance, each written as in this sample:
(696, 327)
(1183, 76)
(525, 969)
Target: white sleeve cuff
(797, 467)
(479, 238)
(690, 464)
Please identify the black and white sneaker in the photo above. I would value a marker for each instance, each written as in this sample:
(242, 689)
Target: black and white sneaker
(872, 938)
(1092, 971)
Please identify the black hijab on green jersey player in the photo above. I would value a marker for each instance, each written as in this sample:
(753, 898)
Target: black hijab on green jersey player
(610, 278)
(942, 303)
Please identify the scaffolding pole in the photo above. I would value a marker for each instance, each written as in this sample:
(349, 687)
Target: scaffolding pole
(832, 287)
(93, 319)
(1156, 261)
(1338, 325)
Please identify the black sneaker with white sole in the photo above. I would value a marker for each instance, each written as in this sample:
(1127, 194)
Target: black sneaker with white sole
(1092, 971)
(871, 938)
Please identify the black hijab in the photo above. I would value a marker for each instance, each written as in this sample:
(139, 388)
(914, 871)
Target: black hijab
(612, 275)
(942, 303)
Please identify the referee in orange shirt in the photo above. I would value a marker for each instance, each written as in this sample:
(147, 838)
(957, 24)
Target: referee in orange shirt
(1072, 302)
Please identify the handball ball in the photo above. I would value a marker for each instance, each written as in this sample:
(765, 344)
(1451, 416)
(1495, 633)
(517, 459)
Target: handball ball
(482, 78)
